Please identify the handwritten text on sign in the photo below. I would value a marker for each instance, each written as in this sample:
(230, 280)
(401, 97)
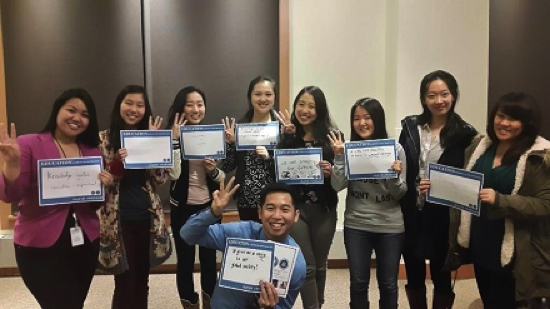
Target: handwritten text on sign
(74, 180)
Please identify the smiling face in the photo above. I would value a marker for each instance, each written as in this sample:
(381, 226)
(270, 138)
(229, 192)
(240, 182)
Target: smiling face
(438, 98)
(278, 214)
(194, 108)
(72, 119)
(362, 123)
(262, 97)
(304, 110)
(506, 127)
(132, 109)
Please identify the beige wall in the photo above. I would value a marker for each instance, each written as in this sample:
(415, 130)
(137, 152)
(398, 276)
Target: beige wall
(357, 48)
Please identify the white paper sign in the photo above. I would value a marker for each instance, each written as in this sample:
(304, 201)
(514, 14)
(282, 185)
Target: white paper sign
(299, 166)
(203, 141)
(283, 267)
(370, 159)
(250, 135)
(63, 181)
(147, 148)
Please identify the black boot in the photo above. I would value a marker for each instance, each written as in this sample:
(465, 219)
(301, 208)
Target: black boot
(416, 297)
(443, 301)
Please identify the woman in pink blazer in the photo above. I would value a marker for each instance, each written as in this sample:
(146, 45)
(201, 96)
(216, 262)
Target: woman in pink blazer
(55, 271)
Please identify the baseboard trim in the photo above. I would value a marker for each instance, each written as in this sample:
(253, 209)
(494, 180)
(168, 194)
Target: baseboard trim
(465, 272)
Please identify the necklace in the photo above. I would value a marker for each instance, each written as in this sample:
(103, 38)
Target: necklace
(63, 151)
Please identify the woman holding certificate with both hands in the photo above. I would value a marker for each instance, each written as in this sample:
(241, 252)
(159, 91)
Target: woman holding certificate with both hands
(509, 243)
(438, 135)
(190, 194)
(56, 268)
(254, 168)
(308, 127)
(373, 217)
(133, 234)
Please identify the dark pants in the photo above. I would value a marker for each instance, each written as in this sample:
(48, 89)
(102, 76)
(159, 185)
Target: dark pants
(388, 248)
(248, 214)
(186, 256)
(314, 233)
(416, 270)
(131, 287)
(59, 276)
(496, 288)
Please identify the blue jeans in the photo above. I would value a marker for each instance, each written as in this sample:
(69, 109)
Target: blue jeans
(388, 248)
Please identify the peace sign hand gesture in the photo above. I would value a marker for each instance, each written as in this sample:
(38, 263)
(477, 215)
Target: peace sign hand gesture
(178, 122)
(229, 129)
(10, 153)
(287, 127)
(336, 143)
(155, 125)
(221, 197)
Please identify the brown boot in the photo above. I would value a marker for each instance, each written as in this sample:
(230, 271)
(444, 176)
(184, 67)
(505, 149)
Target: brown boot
(417, 298)
(205, 300)
(190, 305)
(443, 301)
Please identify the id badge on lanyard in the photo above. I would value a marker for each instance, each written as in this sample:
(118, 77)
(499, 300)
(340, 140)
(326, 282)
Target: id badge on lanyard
(77, 236)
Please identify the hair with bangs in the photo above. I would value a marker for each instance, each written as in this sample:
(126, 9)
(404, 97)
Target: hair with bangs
(179, 103)
(522, 107)
(376, 112)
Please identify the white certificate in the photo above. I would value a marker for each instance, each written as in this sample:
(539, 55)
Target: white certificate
(250, 135)
(64, 181)
(370, 159)
(299, 166)
(454, 187)
(283, 267)
(203, 141)
(245, 263)
(147, 148)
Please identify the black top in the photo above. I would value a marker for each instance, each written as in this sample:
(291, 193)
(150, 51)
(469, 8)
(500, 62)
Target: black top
(133, 201)
(320, 194)
(486, 235)
(427, 231)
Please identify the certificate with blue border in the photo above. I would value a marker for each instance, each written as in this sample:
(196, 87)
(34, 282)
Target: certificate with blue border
(147, 148)
(454, 187)
(299, 166)
(202, 141)
(245, 263)
(370, 159)
(67, 181)
(250, 135)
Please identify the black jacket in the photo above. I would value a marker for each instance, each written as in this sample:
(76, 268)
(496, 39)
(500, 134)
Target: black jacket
(427, 231)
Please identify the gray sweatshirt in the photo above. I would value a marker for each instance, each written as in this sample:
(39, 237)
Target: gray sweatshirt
(372, 205)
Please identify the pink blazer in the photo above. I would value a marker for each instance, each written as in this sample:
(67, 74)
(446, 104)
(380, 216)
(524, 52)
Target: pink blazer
(40, 226)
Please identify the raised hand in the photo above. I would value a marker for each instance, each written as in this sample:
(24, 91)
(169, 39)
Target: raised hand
(262, 152)
(221, 197)
(229, 129)
(9, 148)
(286, 124)
(327, 168)
(336, 143)
(155, 125)
(397, 166)
(106, 178)
(268, 295)
(178, 122)
(10, 153)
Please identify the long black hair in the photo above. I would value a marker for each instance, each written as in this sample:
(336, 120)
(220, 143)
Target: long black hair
(322, 124)
(117, 123)
(90, 136)
(376, 112)
(454, 125)
(258, 79)
(522, 107)
(179, 103)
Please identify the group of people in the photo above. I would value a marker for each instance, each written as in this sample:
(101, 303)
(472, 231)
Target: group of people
(508, 244)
